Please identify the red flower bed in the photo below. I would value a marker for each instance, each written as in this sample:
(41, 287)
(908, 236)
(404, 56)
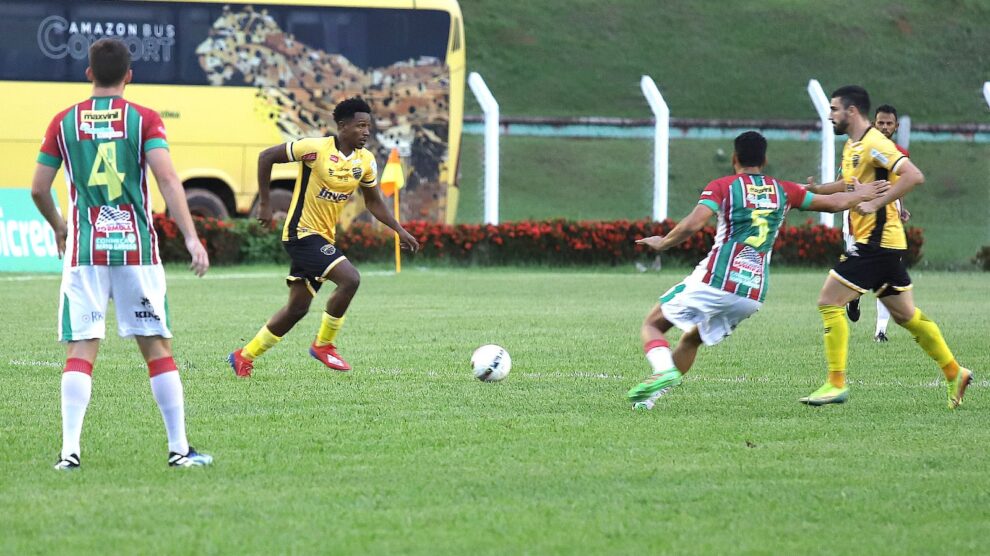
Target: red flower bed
(551, 242)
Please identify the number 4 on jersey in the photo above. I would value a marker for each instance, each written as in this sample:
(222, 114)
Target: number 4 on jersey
(105, 170)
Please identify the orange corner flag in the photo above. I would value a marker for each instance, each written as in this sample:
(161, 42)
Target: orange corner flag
(392, 177)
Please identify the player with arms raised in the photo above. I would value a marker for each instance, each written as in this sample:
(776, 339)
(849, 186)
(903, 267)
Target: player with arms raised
(109, 243)
(876, 260)
(730, 284)
(331, 169)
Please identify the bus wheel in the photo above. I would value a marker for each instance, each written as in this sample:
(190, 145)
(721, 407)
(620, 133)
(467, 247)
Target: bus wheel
(280, 200)
(206, 203)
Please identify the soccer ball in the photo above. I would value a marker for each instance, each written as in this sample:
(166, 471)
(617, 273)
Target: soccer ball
(490, 363)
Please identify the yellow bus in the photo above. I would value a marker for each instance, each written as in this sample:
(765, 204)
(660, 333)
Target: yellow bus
(231, 79)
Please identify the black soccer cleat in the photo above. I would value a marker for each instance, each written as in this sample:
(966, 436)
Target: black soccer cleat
(881, 337)
(67, 463)
(192, 458)
(852, 309)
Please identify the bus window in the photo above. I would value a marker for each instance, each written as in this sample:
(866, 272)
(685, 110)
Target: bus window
(153, 57)
(22, 39)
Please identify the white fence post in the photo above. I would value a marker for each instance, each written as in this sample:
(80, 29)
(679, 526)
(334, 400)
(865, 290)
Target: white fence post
(661, 146)
(986, 91)
(904, 131)
(823, 107)
(490, 107)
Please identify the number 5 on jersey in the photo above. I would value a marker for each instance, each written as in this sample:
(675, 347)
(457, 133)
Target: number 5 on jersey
(762, 226)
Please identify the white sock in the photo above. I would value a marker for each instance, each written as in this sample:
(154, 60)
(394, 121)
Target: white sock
(660, 359)
(883, 317)
(76, 391)
(167, 389)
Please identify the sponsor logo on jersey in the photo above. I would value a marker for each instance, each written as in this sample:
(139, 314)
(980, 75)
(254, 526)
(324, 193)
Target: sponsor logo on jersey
(328, 249)
(100, 132)
(334, 158)
(125, 242)
(761, 189)
(110, 219)
(879, 157)
(746, 268)
(308, 157)
(759, 201)
(334, 196)
(93, 116)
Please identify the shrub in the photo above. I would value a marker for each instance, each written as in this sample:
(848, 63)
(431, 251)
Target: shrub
(550, 242)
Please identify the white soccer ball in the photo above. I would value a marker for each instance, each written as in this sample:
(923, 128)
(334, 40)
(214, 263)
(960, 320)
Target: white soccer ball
(491, 363)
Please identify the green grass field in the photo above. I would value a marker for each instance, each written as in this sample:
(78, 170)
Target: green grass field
(410, 454)
(725, 59)
(609, 179)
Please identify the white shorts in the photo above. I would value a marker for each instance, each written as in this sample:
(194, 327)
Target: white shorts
(716, 313)
(138, 294)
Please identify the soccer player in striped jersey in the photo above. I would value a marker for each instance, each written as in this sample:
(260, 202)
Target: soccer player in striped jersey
(875, 262)
(730, 284)
(331, 170)
(109, 246)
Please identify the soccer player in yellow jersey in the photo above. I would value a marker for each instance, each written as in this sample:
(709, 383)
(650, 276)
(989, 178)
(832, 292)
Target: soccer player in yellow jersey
(875, 261)
(885, 120)
(331, 170)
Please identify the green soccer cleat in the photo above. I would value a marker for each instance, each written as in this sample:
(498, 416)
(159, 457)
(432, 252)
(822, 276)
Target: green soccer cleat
(957, 388)
(653, 384)
(826, 394)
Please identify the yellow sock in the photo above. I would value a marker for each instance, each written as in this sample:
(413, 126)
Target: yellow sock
(262, 342)
(929, 337)
(836, 343)
(328, 329)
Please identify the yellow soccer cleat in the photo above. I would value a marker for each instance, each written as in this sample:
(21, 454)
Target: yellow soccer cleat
(826, 394)
(957, 388)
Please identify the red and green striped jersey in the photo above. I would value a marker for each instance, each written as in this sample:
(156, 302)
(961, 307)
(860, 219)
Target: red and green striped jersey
(103, 142)
(750, 209)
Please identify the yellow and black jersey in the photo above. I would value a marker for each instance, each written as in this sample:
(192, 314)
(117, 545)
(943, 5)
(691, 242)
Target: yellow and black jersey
(874, 157)
(327, 179)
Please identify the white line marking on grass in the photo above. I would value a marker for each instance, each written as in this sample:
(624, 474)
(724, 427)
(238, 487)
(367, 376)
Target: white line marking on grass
(24, 363)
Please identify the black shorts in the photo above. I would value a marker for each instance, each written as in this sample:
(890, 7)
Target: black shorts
(313, 257)
(869, 267)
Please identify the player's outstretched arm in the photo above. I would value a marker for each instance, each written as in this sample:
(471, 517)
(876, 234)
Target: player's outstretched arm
(175, 199)
(269, 157)
(837, 202)
(683, 230)
(376, 206)
(825, 188)
(41, 192)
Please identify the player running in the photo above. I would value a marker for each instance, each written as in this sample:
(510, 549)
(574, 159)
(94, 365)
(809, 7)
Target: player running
(109, 244)
(875, 262)
(885, 120)
(730, 284)
(331, 169)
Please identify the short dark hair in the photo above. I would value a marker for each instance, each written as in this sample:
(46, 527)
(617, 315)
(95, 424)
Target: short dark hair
(886, 109)
(751, 149)
(854, 95)
(109, 59)
(346, 109)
